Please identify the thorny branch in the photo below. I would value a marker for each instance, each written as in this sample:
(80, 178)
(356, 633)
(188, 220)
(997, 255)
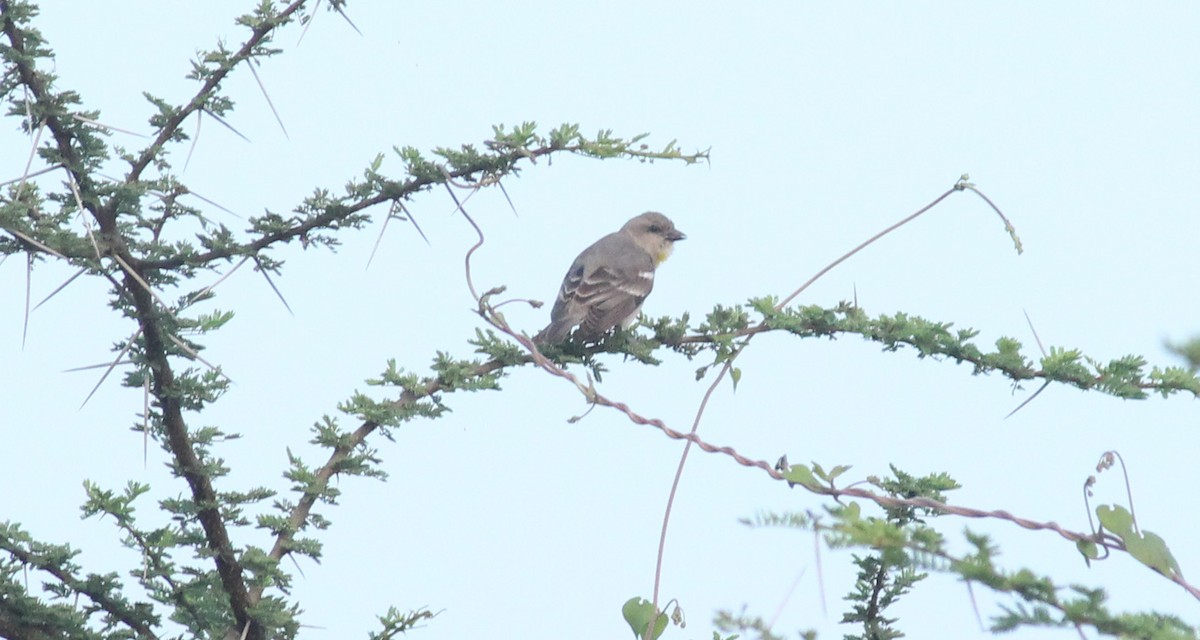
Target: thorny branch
(104, 202)
(488, 312)
(149, 317)
(150, 320)
(259, 34)
(392, 191)
(118, 609)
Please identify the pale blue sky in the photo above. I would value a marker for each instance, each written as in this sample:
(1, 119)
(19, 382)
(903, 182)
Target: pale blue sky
(827, 121)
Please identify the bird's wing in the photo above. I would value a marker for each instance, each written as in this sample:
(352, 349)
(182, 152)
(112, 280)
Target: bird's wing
(609, 284)
(604, 286)
(611, 296)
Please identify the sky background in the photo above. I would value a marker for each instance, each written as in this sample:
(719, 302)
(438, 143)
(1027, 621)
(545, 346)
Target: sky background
(826, 122)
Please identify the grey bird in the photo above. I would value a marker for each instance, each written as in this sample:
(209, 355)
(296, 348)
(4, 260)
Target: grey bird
(608, 282)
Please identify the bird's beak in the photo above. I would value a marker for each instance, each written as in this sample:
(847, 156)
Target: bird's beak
(676, 236)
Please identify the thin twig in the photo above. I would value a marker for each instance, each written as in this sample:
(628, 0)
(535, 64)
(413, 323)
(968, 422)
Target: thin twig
(866, 243)
(475, 247)
(1128, 489)
(1008, 226)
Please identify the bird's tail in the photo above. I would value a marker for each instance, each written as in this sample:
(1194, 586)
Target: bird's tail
(555, 333)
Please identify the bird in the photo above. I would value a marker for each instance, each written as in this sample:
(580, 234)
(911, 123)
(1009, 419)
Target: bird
(608, 282)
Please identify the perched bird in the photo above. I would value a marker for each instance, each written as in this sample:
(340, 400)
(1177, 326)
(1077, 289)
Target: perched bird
(607, 283)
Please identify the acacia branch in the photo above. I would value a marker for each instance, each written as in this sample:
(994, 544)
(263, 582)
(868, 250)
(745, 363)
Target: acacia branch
(18, 625)
(488, 312)
(258, 34)
(390, 191)
(506, 152)
(299, 514)
(163, 379)
(48, 108)
(886, 501)
(179, 441)
(1124, 378)
(113, 606)
(438, 384)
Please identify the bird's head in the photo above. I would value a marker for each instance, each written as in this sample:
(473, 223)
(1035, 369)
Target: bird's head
(655, 234)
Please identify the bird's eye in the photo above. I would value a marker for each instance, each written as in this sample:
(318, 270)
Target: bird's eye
(655, 229)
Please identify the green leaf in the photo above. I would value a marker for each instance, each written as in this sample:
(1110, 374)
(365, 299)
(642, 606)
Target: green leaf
(1148, 548)
(1089, 550)
(639, 612)
(800, 474)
